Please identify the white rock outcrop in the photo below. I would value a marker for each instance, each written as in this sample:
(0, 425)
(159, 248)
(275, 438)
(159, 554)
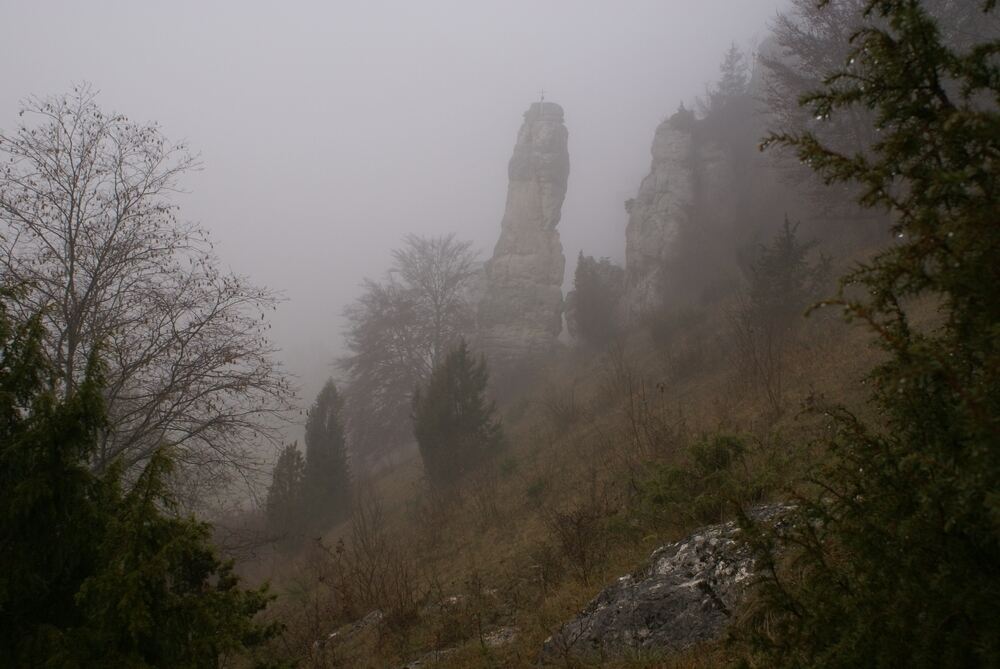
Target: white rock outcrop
(520, 314)
(659, 212)
(686, 595)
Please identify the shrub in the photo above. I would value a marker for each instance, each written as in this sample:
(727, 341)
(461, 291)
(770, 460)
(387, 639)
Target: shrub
(698, 492)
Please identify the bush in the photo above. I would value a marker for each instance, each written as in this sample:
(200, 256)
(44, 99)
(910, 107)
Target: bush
(701, 491)
(580, 537)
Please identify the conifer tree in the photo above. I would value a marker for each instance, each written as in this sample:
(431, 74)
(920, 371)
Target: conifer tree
(892, 562)
(592, 309)
(89, 575)
(733, 75)
(454, 424)
(285, 508)
(327, 477)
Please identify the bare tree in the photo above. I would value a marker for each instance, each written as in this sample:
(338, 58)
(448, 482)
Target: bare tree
(809, 43)
(397, 332)
(437, 271)
(90, 234)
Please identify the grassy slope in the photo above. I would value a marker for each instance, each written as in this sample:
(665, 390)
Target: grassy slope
(583, 439)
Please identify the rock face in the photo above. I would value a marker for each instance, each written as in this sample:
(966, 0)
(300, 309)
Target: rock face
(659, 211)
(685, 596)
(684, 205)
(520, 314)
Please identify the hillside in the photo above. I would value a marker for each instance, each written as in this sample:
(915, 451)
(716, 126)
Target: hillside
(576, 498)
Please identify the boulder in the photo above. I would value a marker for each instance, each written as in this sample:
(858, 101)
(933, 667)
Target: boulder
(685, 596)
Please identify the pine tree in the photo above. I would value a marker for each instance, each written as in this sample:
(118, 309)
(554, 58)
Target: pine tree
(90, 575)
(327, 477)
(286, 496)
(893, 562)
(454, 424)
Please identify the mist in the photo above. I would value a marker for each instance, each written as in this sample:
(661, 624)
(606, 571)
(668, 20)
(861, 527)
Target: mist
(327, 131)
(500, 334)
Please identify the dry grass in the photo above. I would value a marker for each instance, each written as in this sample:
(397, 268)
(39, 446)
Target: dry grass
(527, 543)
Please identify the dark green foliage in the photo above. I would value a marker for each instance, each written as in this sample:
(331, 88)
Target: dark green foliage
(91, 575)
(453, 422)
(286, 496)
(592, 312)
(699, 491)
(160, 596)
(327, 476)
(894, 561)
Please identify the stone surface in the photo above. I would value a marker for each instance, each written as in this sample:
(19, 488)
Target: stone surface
(658, 212)
(685, 596)
(520, 314)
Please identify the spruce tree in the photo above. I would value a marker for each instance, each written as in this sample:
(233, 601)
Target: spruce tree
(453, 422)
(91, 575)
(327, 477)
(893, 560)
(285, 508)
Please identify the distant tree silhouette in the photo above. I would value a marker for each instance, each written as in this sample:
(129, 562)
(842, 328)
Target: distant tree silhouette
(592, 313)
(781, 282)
(286, 496)
(734, 78)
(398, 331)
(327, 475)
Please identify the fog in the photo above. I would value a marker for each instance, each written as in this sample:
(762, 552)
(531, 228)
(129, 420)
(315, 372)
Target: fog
(327, 131)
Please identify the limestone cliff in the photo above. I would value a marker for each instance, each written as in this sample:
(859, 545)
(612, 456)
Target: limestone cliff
(684, 213)
(520, 314)
(659, 211)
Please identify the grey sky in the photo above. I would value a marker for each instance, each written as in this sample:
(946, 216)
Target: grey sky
(328, 130)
